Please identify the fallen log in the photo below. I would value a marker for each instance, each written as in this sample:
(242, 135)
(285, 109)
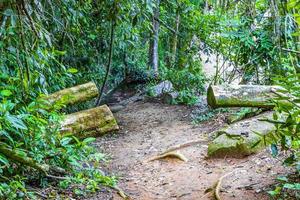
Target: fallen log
(76, 94)
(17, 157)
(90, 123)
(241, 96)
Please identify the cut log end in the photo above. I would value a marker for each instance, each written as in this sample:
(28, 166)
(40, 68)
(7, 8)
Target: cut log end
(211, 100)
(241, 96)
(93, 122)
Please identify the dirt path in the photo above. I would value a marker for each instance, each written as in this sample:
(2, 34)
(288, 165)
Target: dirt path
(148, 128)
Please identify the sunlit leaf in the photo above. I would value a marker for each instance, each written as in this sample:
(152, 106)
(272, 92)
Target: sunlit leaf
(6, 93)
(72, 70)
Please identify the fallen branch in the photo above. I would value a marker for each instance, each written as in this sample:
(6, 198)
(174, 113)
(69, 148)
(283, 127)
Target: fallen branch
(169, 154)
(16, 157)
(291, 50)
(61, 178)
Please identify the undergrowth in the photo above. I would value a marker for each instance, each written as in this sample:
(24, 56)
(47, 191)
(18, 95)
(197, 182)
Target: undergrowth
(208, 114)
(286, 137)
(32, 131)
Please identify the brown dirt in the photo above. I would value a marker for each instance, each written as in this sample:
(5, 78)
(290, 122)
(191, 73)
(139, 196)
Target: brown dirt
(148, 128)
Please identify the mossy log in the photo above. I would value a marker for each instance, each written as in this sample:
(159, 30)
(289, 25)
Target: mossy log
(90, 123)
(18, 157)
(76, 94)
(241, 96)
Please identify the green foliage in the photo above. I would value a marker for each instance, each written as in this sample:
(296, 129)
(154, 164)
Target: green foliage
(49, 45)
(188, 82)
(251, 36)
(208, 114)
(33, 131)
(287, 134)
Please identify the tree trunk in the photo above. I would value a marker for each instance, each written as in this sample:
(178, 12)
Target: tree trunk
(241, 96)
(175, 39)
(90, 123)
(74, 94)
(154, 39)
(111, 49)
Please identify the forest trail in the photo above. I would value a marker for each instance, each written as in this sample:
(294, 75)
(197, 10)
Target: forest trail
(148, 128)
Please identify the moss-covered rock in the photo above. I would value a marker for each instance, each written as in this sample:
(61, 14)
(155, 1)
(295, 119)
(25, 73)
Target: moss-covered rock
(242, 138)
(160, 89)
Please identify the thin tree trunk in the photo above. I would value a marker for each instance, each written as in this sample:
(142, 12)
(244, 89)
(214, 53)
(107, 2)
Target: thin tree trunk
(175, 39)
(206, 7)
(111, 47)
(154, 39)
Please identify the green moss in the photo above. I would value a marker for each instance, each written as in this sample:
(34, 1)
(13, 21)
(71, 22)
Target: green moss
(226, 145)
(240, 139)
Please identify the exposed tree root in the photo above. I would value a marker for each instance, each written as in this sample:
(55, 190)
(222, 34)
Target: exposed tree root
(169, 154)
(215, 189)
(181, 146)
(121, 193)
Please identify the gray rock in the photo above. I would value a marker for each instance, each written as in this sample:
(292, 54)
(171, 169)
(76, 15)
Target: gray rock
(161, 88)
(170, 97)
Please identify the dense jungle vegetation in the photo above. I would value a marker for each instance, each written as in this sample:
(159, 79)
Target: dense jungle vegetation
(50, 45)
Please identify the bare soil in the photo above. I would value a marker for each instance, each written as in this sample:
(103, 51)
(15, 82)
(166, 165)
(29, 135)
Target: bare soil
(148, 128)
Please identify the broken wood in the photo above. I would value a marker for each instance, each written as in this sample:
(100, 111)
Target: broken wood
(241, 96)
(76, 94)
(90, 123)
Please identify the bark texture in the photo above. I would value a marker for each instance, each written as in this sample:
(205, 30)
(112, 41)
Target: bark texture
(153, 47)
(79, 93)
(90, 123)
(241, 96)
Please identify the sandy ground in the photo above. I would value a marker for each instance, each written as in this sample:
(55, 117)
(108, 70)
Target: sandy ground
(149, 127)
